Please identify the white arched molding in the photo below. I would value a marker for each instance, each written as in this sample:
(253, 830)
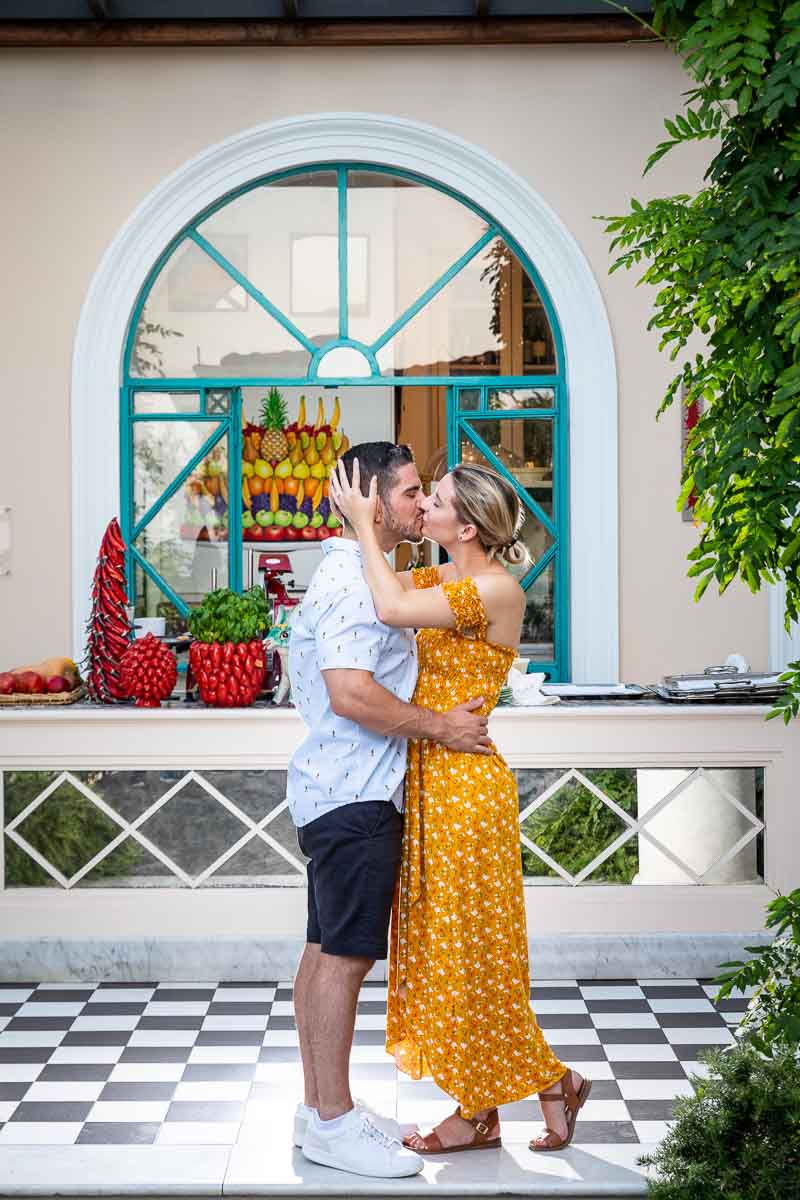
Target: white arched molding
(467, 169)
(784, 647)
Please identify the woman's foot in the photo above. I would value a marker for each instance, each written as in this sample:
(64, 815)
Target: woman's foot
(554, 1111)
(455, 1130)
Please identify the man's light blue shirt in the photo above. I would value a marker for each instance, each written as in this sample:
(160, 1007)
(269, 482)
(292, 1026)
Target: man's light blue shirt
(340, 762)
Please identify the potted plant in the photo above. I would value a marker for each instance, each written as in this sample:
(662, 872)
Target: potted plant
(227, 655)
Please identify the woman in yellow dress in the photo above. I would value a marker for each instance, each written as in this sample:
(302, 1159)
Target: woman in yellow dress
(459, 986)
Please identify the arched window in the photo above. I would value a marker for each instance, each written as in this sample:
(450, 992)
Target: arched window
(374, 286)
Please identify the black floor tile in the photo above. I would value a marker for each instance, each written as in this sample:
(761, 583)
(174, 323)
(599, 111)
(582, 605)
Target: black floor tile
(281, 1023)
(651, 1110)
(731, 1005)
(68, 996)
(218, 1072)
(245, 1008)
(279, 1054)
(97, 1037)
(170, 1022)
(604, 1131)
(375, 1008)
(112, 985)
(155, 1054)
(71, 1072)
(648, 1070)
(138, 1091)
(690, 1053)
(563, 1020)
(618, 1006)
(205, 1110)
(254, 983)
(8, 1010)
(46, 1110)
(230, 1037)
(605, 1089)
(607, 982)
(13, 1091)
(286, 994)
(578, 1053)
(676, 992)
(177, 995)
(555, 993)
(118, 1133)
(631, 1037)
(704, 1020)
(369, 1037)
(25, 1054)
(29, 1024)
(115, 1009)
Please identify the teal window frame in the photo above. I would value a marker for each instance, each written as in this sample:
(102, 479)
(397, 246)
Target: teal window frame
(465, 424)
(230, 423)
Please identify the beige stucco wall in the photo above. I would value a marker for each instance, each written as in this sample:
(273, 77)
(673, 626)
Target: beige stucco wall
(85, 135)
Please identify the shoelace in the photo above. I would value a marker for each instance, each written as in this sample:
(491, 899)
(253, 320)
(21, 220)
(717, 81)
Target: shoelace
(369, 1130)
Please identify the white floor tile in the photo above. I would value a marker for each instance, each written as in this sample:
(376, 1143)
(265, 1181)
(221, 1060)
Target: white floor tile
(67, 987)
(6, 1109)
(49, 1010)
(624, 1021)
(282, 1008)
(3, 1022)
(14, 995)
(121, 995)
(213, 1089)
(248, 1022)
(210, 986)
(572, 1037)
(30, 1037)
(650, 1133)
(374, 995)
(146, 1073)
(103, 1024)
(163, 1037)
(58, 1093)
(715, 1035)
(198, 1133)
(283, 1073)
(86, 1054)
(20, 1072)
(592, 1070)
(598, 992)
(176, 1008)
(281, 1037)
(558, 1006)
(43, 1133)
(634, 1052)
(128, 1110)
(560, 983)
(696, 1068)
(371, 1021)
(654, 1089)
(224, 1054)
(711, 990)
(681, 1006)
(603, 1110)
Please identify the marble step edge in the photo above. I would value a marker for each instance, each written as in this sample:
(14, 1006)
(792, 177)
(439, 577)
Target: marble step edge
(235, 959)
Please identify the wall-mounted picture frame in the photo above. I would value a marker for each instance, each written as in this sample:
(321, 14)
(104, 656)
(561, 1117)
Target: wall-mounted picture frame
(314, 275)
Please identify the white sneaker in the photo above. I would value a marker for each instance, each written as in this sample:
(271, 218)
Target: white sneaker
(395, 1129)
(359, 1146)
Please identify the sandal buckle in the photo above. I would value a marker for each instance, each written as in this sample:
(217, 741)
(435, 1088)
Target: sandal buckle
(481, 1128)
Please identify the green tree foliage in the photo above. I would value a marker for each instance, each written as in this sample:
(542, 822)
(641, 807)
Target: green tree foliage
(67, 829)
(574, 825)
(726, 264)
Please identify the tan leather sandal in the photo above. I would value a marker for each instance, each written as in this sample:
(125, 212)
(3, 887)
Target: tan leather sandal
(431, 1144)
(573, 1103)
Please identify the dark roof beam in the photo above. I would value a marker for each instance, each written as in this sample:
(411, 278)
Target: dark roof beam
(100, 9)
(291, 9)
(482, 9)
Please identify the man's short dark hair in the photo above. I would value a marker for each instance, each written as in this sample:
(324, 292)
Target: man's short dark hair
(383, 459)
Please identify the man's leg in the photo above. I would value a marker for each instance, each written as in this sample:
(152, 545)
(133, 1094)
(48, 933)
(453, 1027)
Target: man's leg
(303, 984)
(332, 999)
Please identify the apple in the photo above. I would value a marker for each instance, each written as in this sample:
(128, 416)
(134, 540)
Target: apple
(57, 683)
(7, 683)
(333, 522)
(275, 534)
(30, 683)
(256, 534)
(323, 533)
(291, 535)
(283, 518)
(316, 520)
(262, 468)
(248, 469)
(264, 517)
(299, 520)
(283, 469)
(308, 534)
(247, 519)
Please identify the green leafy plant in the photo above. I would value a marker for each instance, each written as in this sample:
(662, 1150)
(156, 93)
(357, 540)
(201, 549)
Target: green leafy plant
(773, 1014)
(574, 826)
(726, 266)
(227, 616)
(68, 830)
(738, 1137)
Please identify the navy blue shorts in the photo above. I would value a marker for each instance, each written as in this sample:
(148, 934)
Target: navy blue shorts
(354, 853)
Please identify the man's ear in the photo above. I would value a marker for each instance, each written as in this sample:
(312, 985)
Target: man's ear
(378, 512)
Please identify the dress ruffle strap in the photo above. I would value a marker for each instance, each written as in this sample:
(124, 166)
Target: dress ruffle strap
(464, 599)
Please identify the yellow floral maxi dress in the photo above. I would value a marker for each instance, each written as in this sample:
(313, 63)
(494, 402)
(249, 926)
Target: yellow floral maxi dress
(459, 987)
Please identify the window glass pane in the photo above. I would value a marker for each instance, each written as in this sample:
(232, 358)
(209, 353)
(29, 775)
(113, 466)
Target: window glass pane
(538, 623)
(525, 448)
(166, 402)
(511, 398)
(188, 536)
(412, 234)
(160, 452)
(291, 231)
(473, 326)
(469, 399)
(182, 334)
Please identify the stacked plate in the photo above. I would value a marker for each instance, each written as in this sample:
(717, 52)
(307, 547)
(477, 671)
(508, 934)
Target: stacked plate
(722, 685)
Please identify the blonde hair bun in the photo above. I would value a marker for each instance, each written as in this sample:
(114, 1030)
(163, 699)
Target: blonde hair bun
(486, 499)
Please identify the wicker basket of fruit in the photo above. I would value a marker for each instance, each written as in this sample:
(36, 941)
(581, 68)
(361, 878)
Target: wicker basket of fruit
(53, 681)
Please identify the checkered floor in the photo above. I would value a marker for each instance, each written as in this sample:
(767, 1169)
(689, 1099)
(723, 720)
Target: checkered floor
(207, 1064)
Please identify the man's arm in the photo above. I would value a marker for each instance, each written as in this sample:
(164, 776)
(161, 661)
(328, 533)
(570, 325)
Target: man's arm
(356, 696)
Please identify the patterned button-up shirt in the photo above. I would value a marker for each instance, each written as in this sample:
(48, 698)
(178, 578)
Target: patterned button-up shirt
(336, 626)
